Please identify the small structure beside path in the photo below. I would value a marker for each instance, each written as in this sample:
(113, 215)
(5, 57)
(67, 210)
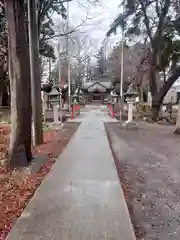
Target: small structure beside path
(131, 95)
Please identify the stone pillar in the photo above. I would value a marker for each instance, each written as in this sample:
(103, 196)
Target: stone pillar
(45, 107)
(130, 110)
(55, 113)
(130, 123)
(61, 106)
(66, 106)
(149, 99)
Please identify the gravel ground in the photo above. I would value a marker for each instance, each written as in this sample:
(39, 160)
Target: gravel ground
(149, 168)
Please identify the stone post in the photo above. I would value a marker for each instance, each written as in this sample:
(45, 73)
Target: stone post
(44, 105)
(149, 99)
(130, 109)
(55, 112)
(61, 110)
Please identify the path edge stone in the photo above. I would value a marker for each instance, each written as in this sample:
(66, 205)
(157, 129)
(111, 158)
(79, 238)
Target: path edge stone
(128, 216)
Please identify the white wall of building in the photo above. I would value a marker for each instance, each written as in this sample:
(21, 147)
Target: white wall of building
(171, 96)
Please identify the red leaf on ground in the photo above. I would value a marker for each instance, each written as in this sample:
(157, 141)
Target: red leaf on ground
(17, 189)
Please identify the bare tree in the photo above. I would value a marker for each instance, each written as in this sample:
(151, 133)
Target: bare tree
(81, 55)
(132, 57)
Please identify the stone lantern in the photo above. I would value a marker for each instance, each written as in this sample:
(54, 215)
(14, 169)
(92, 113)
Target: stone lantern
(130, 95)
(55, 105)
(114, 97)
(75, 98)
(54, 101)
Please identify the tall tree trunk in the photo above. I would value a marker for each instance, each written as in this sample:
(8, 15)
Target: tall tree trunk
(35, 74)
(168, 84)
(154, 80)
(141, 94)
(158, 99)
(0, 98)
(5, 97)
(19, 72)
(154, 90)
(5, 93)
(177, 128)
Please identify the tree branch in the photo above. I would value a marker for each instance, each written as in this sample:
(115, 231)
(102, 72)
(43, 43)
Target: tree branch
(157, 8)
(164, 11)
(168, 84)
(146, 20)
(43, 9)
(65, 34)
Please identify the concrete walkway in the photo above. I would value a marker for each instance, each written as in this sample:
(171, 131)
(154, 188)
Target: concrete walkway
(81, 198)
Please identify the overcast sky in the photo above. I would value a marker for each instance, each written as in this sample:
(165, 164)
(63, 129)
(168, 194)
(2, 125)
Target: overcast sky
(96, 19)
(101, 16)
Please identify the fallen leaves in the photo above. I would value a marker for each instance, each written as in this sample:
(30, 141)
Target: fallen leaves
(4, 142)
(17, 187)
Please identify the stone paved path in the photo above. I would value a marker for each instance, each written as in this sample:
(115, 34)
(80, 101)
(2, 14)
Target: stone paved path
(81, 198)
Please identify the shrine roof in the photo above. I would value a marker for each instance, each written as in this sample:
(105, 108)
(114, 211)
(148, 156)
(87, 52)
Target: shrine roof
(106, 85)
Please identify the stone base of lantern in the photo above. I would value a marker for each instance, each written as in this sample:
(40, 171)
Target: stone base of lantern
(130, 125)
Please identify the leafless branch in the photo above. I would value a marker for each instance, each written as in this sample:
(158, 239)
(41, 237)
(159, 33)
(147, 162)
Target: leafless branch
(67, 33)
(146, 20)
(157, 8)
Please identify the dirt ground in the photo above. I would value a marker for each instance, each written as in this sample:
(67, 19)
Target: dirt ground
(148, 163)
